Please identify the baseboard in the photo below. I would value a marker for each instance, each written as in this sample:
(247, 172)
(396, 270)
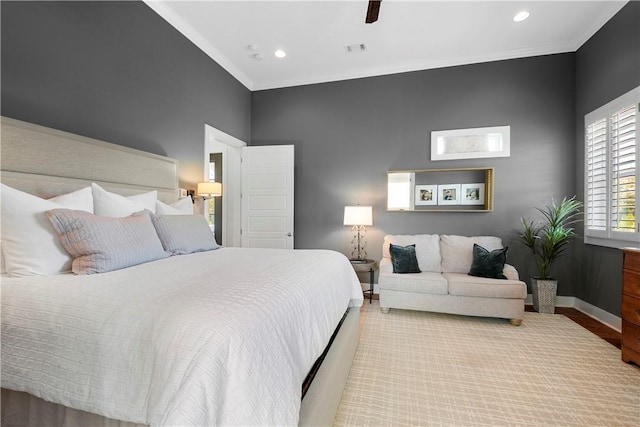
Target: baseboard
(611, 320)
(560, 301)
(602, 316)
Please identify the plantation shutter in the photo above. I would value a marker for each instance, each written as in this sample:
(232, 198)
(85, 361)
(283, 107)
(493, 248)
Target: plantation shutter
(622, 135)
(611, 172)
(596, 175)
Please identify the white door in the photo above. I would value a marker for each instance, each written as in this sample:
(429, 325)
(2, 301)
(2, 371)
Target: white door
(267, 196)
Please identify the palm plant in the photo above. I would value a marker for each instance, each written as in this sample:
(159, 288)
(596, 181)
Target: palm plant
(548, 239)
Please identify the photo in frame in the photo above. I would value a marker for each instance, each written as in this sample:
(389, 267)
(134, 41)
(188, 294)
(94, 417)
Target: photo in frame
(426, 195)
(472, 194)
(449, 194)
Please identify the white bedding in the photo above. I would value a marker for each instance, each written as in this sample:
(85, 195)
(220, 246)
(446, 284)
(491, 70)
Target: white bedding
(216, 338)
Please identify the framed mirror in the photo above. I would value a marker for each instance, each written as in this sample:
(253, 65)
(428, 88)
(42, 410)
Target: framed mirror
(440, 190)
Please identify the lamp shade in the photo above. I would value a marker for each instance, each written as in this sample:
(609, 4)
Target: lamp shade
(358, 215)
(209, 189)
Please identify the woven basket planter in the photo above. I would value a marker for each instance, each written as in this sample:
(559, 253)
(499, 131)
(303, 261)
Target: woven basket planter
(544, 295)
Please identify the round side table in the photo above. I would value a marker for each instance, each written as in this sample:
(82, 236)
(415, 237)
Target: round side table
(366, 266)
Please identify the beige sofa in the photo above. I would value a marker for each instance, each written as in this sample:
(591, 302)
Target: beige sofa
(443, 284)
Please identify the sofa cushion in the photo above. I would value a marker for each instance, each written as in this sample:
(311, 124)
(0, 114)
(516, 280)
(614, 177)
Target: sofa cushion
(424, 283)
(488, 264)
(404, 259)
(464, 285)
(427, 249)
(510, 272)
(457, 251)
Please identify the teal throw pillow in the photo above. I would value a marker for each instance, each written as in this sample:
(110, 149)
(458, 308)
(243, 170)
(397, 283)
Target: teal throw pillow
(488, 264)
(404, 259)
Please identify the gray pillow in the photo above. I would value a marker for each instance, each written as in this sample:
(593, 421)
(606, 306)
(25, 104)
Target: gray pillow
(99, 244)
(488, 264)
(404, 259)
(184, 234)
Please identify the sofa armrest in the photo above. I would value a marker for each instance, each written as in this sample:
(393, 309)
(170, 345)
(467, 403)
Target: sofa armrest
(386, 266)
(510, 272)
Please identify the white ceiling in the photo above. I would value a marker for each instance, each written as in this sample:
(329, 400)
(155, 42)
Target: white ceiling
(409, 35)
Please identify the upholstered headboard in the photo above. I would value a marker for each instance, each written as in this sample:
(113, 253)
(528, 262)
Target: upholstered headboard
(48, 162)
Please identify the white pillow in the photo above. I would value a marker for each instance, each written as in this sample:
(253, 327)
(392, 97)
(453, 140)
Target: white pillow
(3, 267)
(110, 204)
(457, 251)
(427, 249)
(29, 243)
(181, 207)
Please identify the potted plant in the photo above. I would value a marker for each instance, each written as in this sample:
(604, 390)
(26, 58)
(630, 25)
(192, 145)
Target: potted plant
(548, 240)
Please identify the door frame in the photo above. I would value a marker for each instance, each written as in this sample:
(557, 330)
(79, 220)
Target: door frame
(217, 141)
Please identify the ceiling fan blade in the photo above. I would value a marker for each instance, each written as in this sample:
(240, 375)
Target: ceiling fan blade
(372, 11)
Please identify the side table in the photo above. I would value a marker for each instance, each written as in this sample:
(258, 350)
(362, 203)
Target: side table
(365, 266)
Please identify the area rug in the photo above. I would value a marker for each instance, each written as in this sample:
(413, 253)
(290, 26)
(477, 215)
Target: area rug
(416, 368)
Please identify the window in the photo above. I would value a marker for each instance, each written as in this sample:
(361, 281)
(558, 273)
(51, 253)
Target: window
(611, 172)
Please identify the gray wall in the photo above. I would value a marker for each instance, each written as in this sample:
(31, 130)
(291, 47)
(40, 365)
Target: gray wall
(607, 66)
(118, 72)
(348, 134)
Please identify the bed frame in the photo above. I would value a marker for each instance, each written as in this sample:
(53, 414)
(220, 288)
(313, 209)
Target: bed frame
(48, 162)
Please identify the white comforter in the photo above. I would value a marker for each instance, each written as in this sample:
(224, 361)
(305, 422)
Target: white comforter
(217, 338)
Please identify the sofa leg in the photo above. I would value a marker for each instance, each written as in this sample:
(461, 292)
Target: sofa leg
(384, 309)
(515, 322)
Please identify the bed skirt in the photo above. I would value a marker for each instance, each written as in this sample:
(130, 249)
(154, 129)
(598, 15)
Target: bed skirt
(319, 405)
(21, 409)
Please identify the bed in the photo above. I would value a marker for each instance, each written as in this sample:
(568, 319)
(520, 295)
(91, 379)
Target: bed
(231, 336)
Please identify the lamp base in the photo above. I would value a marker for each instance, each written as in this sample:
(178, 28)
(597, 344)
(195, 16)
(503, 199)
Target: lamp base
(359, 254)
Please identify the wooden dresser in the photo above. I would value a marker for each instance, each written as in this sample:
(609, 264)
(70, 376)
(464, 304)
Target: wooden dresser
(631, 305)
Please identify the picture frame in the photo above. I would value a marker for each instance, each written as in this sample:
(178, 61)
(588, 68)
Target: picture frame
(472, 143)
(472, 194)
(426, 195)
(449, 194)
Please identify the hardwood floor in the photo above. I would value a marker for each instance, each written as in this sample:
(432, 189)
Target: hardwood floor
(603, 331)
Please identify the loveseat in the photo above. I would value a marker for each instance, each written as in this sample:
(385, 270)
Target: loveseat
(443, 284)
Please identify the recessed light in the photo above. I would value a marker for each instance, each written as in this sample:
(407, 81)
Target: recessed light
(280, 53)
(521, 16)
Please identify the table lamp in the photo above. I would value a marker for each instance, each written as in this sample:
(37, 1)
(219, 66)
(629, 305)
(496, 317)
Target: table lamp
(358, 217)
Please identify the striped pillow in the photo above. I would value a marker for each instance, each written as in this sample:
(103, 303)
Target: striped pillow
(99, 244)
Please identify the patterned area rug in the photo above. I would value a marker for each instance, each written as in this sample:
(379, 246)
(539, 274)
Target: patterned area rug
(415, 368)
